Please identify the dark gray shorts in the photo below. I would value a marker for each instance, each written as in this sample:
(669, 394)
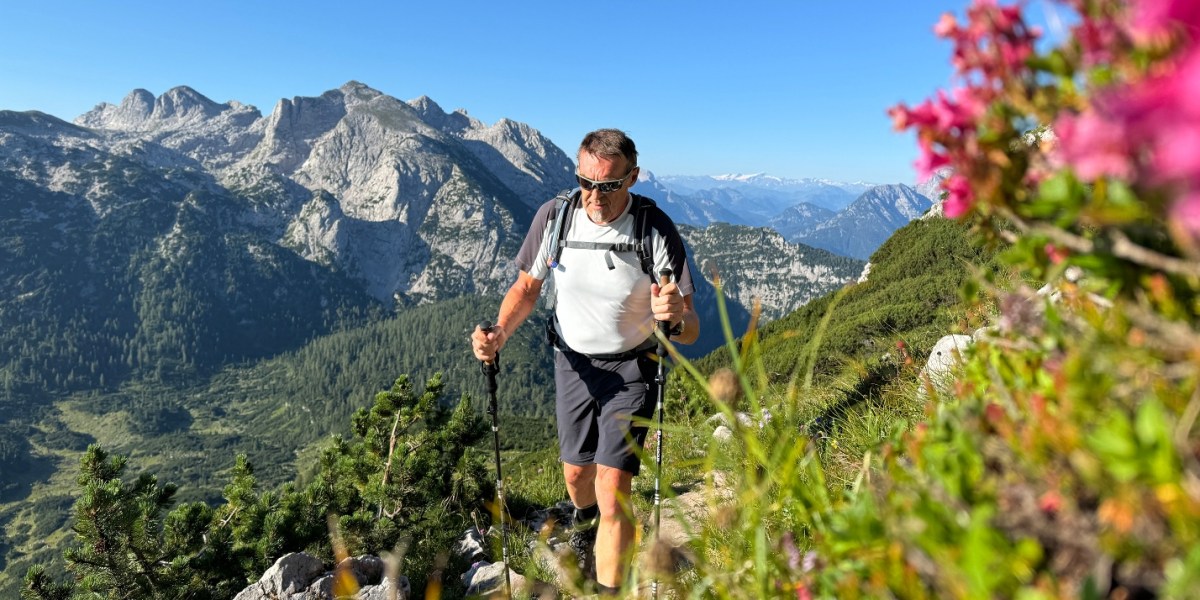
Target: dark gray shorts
(603, 408)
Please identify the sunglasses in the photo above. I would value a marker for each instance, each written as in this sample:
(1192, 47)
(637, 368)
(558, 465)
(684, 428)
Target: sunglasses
(605, 187)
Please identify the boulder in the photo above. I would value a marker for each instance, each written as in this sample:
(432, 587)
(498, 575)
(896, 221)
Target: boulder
(299, 576)
(366, 570)
(723, 433)
(384, 590)
(946, 356)
(291, 574)
(485, 580)
(471, 546)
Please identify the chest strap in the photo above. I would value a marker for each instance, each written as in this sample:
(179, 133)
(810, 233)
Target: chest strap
(608, 248)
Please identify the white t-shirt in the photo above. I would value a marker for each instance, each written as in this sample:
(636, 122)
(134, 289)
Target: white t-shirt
(602, 310)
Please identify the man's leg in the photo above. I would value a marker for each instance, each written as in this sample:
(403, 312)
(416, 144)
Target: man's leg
(581, 487)
(616, 534)
(581, 484)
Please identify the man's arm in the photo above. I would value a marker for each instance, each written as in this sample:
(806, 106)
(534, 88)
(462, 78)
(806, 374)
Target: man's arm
(517, 305)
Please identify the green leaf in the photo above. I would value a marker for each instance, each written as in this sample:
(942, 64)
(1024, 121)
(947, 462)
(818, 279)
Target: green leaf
(1057, 189)
(1114, 442)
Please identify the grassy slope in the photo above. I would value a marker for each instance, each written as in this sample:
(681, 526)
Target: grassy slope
(837, 361)
(911, 295)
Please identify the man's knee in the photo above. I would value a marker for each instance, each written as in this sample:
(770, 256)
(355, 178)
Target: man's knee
(580, 480)
(578, 475)
(613, 488)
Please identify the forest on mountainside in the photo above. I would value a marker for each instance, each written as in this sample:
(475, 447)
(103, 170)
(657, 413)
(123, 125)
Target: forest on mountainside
(433, 338)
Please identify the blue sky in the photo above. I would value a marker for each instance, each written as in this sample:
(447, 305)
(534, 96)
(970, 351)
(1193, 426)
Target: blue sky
(795, 88)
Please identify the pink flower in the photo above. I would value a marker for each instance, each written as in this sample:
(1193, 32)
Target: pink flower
(1177, 153)
(1157, 17)
(1093, 145)
(959, 196)
(1051, 502)
(1055, 254)
(1185, 217)
(919, 116)
(929, 161)
(900, 115)
(1097, 38)
(946, 26)
(1160, 117)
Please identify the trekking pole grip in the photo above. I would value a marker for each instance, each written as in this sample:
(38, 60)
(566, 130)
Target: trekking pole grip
(665, 276)
(490, 369)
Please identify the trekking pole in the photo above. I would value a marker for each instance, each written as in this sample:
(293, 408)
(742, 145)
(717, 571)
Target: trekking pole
(489, 370)
(665, 277)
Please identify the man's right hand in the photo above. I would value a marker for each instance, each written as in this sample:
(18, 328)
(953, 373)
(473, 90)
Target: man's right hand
(486, 344)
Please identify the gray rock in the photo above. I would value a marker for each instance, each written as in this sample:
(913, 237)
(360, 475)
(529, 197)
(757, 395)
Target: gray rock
(944, 359)
(299, 576)
(386, 590)
(291, 574)
(485, 579)
(471, 546)
(723, 433)
(367, 570)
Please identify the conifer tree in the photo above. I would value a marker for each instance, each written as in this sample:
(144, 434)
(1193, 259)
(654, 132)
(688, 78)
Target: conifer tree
(410, 473)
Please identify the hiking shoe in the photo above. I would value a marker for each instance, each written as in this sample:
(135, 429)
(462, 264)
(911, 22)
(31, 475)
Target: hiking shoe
(583, 543)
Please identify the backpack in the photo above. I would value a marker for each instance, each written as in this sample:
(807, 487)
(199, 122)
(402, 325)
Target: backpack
(564, 207)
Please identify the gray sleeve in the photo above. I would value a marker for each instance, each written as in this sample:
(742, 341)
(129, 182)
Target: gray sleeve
(670, 252)
(534, 250)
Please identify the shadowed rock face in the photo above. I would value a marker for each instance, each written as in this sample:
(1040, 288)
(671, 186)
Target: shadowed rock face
(413, 202)
(409, 202)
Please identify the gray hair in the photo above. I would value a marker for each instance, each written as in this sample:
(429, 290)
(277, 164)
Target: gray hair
(609, 142)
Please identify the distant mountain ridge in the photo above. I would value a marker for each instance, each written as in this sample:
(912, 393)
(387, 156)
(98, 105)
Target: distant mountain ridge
(768, 195)
(864, 225)
(185, 214)
(849, 219)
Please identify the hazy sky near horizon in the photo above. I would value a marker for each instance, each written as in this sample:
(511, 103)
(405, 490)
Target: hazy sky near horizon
(794, 88)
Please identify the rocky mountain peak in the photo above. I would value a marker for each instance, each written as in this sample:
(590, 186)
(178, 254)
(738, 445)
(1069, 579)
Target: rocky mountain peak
(859, 229)
(178, 108)
(896, 197)
(427, 106)
(932, 188)
(131, 114)
(184, 102)
(454, 123)
(356, 92)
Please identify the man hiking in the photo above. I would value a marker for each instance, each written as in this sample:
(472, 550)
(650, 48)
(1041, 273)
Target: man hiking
(606, 302)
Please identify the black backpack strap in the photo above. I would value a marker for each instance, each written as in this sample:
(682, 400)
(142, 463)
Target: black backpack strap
(643, 232)
(564, 203)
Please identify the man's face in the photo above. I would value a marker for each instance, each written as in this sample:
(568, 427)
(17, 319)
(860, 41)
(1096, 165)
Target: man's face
(604, 207)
